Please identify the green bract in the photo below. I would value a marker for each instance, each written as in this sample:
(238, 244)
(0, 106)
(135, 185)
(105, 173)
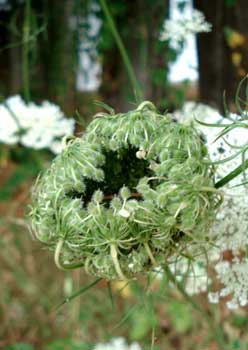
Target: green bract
(135, 189)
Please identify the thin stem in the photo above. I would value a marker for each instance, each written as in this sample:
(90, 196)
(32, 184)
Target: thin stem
(232, 175)
(78, 293)
(153, 260)
(25, 51)
(123, 52)
(153, 338)
(216, 330)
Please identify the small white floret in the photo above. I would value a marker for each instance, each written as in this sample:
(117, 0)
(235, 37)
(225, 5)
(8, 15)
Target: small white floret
(124, 213)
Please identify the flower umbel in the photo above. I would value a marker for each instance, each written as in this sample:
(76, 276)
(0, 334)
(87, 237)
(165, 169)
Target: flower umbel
(33, 126)
(102, 206)
(177, 31)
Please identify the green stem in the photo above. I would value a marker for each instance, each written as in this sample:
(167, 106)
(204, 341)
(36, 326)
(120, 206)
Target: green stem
(232, 175)
(123, 52)
(216, 330)
(25, 51)
(153, 260)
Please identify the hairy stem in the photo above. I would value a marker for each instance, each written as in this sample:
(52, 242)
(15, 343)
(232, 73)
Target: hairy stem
(123, 52)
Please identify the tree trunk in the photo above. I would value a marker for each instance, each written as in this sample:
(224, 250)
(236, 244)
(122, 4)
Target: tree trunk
(223, 53)
(59, 54)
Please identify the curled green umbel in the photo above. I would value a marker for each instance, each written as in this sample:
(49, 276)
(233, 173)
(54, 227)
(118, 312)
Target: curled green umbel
(134, 190)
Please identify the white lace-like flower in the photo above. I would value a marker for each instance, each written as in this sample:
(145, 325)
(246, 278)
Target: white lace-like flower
(117, 344)
(178, 30)
(230, 230)
(193, 275)
(218, 149)
(43, 126)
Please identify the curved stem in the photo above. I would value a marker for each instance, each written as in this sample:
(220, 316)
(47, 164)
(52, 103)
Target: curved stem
(114, 256)
(146, 104)
(57, 254)
(59, 263)
(217, 331)
(123, 52)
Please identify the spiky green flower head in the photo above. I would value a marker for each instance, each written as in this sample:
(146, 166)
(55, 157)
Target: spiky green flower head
(134, 190)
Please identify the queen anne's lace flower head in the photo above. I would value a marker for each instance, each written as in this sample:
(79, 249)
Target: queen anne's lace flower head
(132, 191)
(176, 31)
(34, 126)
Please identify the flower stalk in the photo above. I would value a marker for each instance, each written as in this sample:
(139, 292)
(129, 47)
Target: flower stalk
(130, 71)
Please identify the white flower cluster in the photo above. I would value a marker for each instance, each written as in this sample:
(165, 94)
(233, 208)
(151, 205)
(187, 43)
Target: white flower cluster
(33, 126)
(192, 274)
(233, 276)
(89, 69)
(177, 31)
(117, 344)
(232, 219)
(221, 148)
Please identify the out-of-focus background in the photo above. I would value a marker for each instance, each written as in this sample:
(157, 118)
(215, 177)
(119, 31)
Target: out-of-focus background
(63, 52)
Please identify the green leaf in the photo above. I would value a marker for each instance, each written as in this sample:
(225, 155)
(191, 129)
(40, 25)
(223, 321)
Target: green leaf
(181, 316)
(143, 321)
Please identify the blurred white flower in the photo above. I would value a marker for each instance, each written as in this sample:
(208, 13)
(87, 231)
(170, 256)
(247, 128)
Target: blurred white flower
(43, 126)
(117, 344)
(192, 273)
(8, 127)
(176, 31)
(218, 149)
(89, 68)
